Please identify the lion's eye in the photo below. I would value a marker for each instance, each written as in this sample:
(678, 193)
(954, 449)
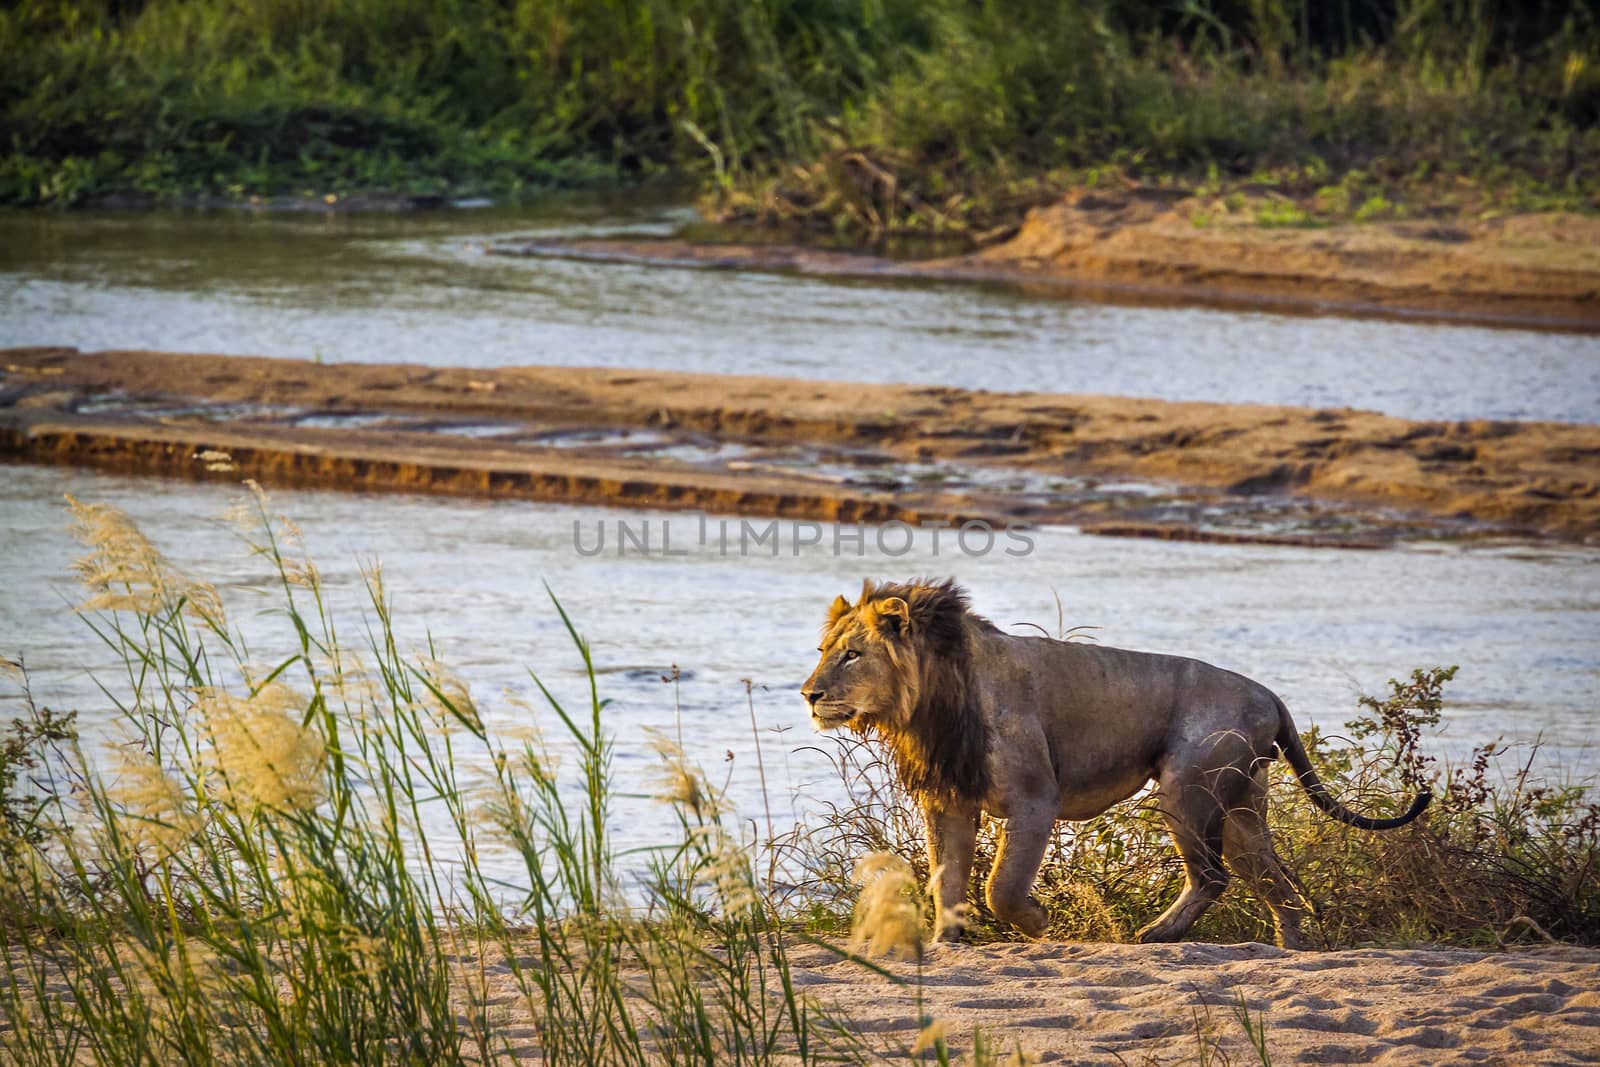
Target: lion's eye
(851, 654)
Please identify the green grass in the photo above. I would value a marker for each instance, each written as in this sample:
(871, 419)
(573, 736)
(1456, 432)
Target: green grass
(248, 880)
(282, 97)
(870, 117)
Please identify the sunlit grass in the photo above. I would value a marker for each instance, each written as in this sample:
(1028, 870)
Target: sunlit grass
(259, 874)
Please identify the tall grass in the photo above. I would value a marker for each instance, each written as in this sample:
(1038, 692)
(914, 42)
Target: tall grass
(283, 96)
(1468, 104)
(282, 863)
(868, 114)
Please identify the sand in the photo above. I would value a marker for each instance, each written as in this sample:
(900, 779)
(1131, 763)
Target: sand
(1389, 475)
(1172, 247)
(1529, 269)
(1096, 1003)
(1147, 1005)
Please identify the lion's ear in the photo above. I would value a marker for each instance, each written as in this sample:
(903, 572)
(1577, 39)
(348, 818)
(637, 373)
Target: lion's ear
(894, 616)
(837, 609)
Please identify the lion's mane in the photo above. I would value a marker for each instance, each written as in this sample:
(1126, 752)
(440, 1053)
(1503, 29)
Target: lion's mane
(938, 741)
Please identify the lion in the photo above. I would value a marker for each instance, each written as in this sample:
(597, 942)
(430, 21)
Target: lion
(1033, 730)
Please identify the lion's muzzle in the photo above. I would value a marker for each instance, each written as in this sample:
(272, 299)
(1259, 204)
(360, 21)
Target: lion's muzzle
(829, 714)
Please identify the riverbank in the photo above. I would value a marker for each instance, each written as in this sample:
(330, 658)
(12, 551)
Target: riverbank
(1093, 1003)
(1159, 246)
(791, 448)
(1090, 1003)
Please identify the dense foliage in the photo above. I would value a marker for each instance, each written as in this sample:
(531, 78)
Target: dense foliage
(958, 100)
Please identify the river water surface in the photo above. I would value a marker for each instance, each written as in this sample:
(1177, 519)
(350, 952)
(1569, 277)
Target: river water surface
(420, 288)
(1319, 627)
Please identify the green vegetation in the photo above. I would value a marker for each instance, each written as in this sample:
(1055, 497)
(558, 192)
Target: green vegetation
(281, 861)
(871, 116)
(184, 97)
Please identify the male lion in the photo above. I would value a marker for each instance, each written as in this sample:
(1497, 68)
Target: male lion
(1033, 730)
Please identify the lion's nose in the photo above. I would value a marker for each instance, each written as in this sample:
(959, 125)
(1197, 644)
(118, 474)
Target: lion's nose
(812, 695)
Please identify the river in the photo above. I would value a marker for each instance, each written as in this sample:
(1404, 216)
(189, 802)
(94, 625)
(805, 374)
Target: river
(420, 288)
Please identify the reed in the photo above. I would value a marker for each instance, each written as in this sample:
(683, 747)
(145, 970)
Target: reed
(280, 862)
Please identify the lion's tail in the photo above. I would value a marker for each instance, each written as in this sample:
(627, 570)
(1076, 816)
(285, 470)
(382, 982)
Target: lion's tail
(1295, 752)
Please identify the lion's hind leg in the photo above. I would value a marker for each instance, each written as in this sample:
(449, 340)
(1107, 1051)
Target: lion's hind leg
(1247, 845)
(1194, 806)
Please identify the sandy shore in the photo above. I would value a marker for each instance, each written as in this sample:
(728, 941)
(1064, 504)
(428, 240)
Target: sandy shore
(1529, 269)
(791, 448)
(1159, 246)
(1140, 1004)
(1088, 1003)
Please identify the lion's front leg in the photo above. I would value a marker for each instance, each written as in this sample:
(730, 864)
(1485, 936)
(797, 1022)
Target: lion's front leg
(1016, 865)
(952, 837)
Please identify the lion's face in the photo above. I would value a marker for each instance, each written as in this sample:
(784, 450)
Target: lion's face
(863, 669)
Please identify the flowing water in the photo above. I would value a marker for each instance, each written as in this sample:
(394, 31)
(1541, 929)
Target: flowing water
(420, 288)
(1319, 627)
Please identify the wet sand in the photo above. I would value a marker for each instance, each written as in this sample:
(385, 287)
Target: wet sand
(1168, 247)
(791, 448)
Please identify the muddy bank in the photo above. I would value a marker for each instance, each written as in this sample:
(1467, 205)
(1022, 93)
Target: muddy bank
(813, 450)
(1157, 247)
